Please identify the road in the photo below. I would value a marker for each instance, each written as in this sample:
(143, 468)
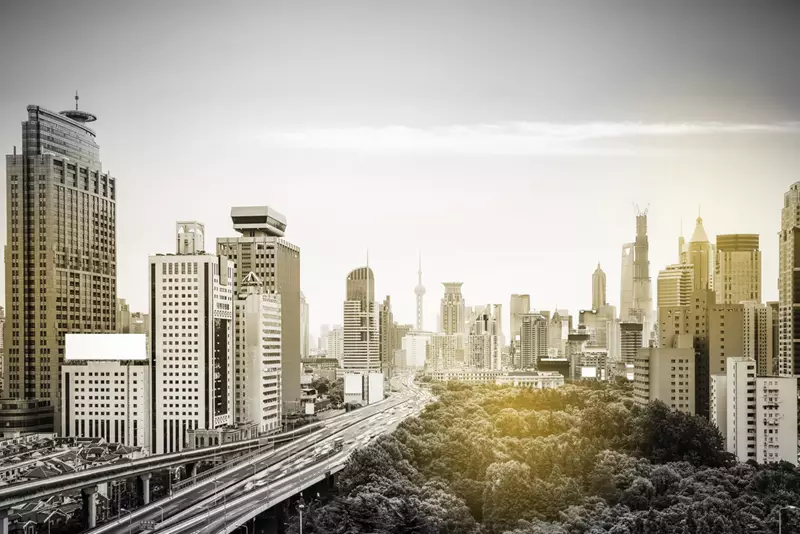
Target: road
(224, 514)
(274, 466)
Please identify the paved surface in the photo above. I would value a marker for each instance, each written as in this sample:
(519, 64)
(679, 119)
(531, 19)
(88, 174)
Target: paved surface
(272, 470)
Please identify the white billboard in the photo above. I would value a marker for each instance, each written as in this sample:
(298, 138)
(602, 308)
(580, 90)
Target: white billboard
(588, 372)
(354, 388)
(124, 347)
(310, 407)
(375, 387)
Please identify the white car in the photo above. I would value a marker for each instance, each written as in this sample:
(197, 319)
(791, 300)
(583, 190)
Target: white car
(248, 486)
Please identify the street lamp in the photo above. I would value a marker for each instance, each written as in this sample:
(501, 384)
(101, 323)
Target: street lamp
(300, 507)
(130, 519)
(162, 511)
(780, 515)
(224, 502)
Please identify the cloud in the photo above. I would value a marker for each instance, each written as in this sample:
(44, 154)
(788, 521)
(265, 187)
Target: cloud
(604, 138)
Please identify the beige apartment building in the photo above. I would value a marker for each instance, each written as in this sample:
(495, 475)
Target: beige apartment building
(666, 374)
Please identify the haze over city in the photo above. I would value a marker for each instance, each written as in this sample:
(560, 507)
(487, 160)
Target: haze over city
(506, 141)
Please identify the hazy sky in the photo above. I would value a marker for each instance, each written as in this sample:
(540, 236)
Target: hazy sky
(507, 141)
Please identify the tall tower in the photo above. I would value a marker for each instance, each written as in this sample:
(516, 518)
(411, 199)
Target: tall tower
(626, 282)
(453, 309)
(642, 293)
(262, 249)
(361, 333)
(598, 288)
(419, 291)
(737, 273)
(61, 259)
(789, 301)
(701, 255)
(190, 292)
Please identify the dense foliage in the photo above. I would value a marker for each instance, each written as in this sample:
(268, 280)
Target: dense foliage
(573, 460)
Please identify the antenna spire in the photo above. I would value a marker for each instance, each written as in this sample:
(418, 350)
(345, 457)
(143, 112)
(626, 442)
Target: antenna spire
(76, 100)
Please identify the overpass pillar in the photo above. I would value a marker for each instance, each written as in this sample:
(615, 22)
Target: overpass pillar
(191, 469)
(89, 497)
(3, 521)
(146, 488)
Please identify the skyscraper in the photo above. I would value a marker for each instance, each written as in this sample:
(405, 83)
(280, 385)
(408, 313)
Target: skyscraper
(533, 340)
(419, 291)
(262, 250)
(386, 336)
(192, 349)
(453, 309)
(334, 343)
(701, 256)
(788, 294)
(61, 258)
(642, 292)
(598, 288)
(361, 334)
(483, 340)
(626, 282)
(257, 360)
(305, 340)
(758, 340)
(737, 274)
(675, 285)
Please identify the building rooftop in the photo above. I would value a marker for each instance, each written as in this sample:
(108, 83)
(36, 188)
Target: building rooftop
(261, 219)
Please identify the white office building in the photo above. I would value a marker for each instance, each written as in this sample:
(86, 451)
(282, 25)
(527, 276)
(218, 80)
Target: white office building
(191, 311)
(415, 346)
(756, 415)
(334, 342)
(257, 372)
(666, 374)
(361, 344)
(105, 388)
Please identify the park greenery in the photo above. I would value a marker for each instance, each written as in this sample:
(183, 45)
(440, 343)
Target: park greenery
(581, 459)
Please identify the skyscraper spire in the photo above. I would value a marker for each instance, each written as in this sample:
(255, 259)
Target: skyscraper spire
(420, 292)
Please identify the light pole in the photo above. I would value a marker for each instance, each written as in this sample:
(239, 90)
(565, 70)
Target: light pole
(780, 515)
(130, 520)
(300, 507)
(224, 502)
(162, 511)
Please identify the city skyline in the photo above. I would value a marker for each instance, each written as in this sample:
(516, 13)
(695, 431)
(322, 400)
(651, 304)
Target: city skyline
(734, 157)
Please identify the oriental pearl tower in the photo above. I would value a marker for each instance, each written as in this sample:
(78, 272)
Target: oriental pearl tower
(420, 292)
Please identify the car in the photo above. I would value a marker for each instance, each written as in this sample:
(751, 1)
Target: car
(262, 482)
(248, 486)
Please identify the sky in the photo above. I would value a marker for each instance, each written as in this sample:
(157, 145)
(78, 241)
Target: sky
(506, 141)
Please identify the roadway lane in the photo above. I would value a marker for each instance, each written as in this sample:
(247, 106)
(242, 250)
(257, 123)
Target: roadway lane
(231, 483)
(294, 476)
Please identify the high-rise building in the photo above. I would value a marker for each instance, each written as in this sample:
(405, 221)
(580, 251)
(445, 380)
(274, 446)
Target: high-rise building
(642, 292)
(361, 333)
(305, 335)
(415, 345)
(484, 348)
(626, 282)
(335, 344)
(675, 285)
(775, 307)
(717, 331)
(756, 415)
(261, 249)
(61, 259)
(446, 351)
(192, 347)
(701, 256)
(666, 374)
(129, 322)
(598, 288)
(257, 360)
(757, 333)
(92, 409)
(737, 275)
(788, 294)
(2, 351)
(520, 305)
(453, 314)
(419, 291)
(386, 333)
(558, 330)
(575, 349)
(533, 340)
(630, 341)
(322, 341)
